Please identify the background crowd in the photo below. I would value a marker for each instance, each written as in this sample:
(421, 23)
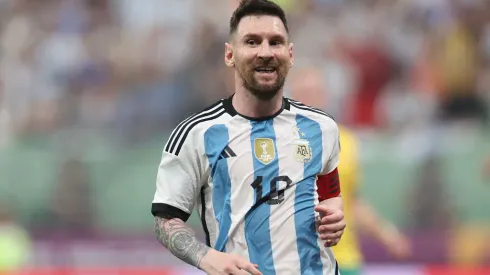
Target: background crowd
(89, 90)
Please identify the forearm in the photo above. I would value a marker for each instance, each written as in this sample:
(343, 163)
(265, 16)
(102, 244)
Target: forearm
(180, 240)
(371, 223)
(333, 203)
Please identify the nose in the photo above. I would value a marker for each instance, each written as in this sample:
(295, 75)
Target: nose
(265, 51)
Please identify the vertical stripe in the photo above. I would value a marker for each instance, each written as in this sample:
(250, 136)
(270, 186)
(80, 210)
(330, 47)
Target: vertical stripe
(216, 139)
(241, 170)
(257, 221)
(307, 237)
(282, 225)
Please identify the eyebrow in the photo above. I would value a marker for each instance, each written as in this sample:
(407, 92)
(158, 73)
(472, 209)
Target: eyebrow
(271, 37)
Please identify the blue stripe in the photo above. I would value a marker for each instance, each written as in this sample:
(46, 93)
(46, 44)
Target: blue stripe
(216, 139)
(257, 230)
(304, 214)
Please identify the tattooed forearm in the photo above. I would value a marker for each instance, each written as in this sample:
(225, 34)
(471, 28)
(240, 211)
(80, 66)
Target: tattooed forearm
(179, 239)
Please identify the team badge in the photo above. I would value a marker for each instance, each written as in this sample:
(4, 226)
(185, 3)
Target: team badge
(264, 150)
(301, 150)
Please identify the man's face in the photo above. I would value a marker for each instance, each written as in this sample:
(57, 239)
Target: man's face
(261, 55)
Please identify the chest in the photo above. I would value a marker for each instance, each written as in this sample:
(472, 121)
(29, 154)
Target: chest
(266, 155)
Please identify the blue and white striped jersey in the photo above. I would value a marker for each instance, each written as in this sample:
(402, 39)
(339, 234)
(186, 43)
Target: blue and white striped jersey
(253, 182)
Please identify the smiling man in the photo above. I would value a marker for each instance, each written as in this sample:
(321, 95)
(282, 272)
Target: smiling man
(261, 168)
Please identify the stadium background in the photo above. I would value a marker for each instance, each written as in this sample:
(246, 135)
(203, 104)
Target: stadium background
(89, 91)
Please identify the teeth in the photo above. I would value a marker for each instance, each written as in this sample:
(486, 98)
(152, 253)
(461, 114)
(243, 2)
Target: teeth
(265, 69)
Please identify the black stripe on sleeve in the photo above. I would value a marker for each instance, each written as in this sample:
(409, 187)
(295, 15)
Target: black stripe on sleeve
(168, 212)
(192, 125)
(175, 131)
(183, 126)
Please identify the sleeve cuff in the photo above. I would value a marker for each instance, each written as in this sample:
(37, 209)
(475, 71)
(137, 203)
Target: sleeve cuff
(168, 212)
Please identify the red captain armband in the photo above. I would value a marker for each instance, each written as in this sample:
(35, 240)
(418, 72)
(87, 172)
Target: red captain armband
(328, 186)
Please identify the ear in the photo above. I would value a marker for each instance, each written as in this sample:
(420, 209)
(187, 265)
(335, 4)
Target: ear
(229, 57)
(291, 55)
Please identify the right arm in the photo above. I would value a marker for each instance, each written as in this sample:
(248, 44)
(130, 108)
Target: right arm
(178, 184)
(180, 240)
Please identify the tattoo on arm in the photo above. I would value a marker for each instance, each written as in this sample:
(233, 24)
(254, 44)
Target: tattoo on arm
(179, 239)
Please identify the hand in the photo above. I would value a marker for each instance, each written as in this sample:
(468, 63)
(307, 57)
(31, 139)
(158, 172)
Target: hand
(219, 263)
(331, 225)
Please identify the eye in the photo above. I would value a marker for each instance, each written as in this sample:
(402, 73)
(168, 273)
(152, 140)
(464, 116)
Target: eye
(251, 42)
(275, 43)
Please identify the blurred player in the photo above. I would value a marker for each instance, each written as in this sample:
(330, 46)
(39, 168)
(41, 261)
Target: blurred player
(252, 164)
(486, 167)
(308, 86)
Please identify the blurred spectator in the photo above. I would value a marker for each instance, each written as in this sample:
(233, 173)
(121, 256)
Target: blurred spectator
(71, 209)
(486, 168)
(431, 205)
(459, 60)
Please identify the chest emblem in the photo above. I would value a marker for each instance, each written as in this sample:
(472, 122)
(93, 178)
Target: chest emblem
(301, 147)
(264, 150)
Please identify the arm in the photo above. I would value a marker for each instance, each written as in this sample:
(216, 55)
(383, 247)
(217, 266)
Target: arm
(179, 181)
(382, 230)
(180, 178)
(333, 203)
(330, 207)
(180, 240)
(370, 222)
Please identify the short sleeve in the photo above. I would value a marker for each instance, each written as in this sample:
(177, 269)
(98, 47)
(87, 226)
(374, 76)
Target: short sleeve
(332, 141)
(179, 181)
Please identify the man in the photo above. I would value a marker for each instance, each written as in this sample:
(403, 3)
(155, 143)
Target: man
(308, 86)
(252, 164)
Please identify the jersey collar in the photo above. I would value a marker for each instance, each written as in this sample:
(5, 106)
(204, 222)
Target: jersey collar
(227, 103)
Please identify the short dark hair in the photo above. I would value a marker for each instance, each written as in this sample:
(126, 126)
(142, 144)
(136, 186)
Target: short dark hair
(256, 7)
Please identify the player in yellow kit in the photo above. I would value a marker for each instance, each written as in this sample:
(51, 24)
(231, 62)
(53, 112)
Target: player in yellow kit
(308, 87)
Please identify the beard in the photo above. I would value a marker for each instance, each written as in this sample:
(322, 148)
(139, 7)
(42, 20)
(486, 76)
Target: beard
(262, 91)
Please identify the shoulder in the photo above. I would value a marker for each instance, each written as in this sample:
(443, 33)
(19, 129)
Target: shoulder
(191, 129)
(326, 121)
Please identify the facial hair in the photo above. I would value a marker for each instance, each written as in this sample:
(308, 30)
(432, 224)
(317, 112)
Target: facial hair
(262, 92)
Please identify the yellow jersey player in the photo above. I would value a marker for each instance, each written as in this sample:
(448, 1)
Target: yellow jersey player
(308, 87)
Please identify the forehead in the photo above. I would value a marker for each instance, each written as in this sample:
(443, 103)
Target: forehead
(263, 25)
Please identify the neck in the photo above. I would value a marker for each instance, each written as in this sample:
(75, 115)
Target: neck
(245, 103)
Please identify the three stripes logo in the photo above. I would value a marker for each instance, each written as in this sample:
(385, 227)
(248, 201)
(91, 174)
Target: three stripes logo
(227, 153)
(179, 135)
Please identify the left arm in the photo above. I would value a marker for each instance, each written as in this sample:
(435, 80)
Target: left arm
(331, 224)
(334, 203)
(382, 230)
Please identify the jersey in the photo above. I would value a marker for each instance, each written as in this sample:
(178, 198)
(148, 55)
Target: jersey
(347, 250)
(253, 181)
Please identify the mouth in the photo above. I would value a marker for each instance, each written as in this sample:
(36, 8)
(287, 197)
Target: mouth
(265, 70)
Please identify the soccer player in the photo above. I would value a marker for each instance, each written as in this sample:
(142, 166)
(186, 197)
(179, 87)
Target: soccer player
(260, 168)
(309, 87)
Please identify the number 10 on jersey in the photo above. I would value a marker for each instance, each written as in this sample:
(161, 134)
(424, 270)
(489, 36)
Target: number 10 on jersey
(275, 195)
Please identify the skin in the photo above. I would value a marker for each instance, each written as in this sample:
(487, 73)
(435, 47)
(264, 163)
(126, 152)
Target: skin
(259, 41)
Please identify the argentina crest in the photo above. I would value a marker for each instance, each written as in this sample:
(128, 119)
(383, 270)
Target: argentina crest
(264, 150)
(301, 150)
